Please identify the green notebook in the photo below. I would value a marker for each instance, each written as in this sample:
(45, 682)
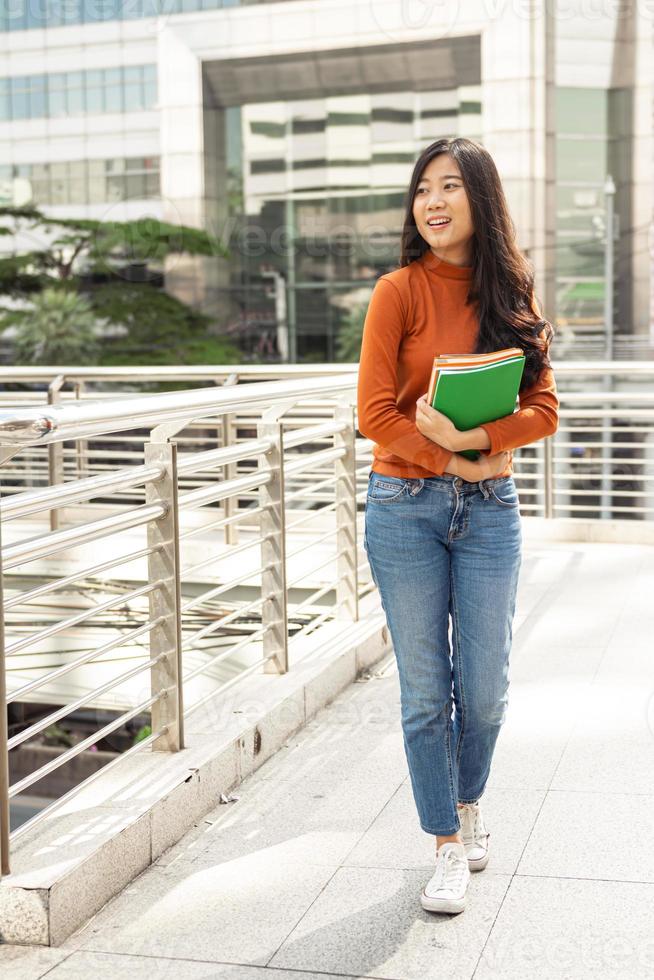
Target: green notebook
(471, 396)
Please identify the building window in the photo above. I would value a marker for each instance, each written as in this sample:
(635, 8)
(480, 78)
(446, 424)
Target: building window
(81, 181)
(24, 15)
(75, 93)
(71, 93)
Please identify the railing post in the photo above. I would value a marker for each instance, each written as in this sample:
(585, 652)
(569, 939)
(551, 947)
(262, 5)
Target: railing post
(548, 451)
(55, 449)
(4, 752)
(606, 454)
(165, 602)
(272, 529)
(230, 506)
(81, 445)
(347, 587)
(561, 446)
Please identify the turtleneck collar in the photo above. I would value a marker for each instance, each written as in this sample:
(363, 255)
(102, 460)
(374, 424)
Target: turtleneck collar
(446, 269)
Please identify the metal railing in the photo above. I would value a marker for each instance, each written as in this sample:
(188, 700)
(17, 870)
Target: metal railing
(598, 464)
(299, 559)
(226, 521)
(584, 342)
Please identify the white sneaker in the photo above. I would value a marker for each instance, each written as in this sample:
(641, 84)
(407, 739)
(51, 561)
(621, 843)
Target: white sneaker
(446, 890)
(474, 834)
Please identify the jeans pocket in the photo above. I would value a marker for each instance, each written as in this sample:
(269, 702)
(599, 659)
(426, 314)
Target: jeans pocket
(386, 489)
(506, 496)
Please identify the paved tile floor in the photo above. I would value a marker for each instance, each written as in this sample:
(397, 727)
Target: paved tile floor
(315, 872)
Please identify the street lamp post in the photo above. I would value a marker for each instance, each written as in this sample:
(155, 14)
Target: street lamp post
(609, 207)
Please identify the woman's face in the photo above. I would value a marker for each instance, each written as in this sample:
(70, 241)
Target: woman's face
(441, 211)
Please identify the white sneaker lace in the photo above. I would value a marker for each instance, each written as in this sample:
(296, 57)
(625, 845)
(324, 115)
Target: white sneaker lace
(478, 829)
(450, 871)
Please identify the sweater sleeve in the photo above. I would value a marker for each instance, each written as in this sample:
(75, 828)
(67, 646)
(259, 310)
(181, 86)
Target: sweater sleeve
(537, 417)
(379, 417)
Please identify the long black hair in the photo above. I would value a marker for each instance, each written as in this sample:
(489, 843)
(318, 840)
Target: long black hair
(502, 279)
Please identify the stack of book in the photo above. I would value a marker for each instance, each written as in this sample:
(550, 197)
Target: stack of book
(475, 388)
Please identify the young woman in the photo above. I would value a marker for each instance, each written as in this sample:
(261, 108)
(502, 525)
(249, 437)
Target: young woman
(442, 533)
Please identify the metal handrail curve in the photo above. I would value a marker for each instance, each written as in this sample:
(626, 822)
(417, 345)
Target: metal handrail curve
(43, 426)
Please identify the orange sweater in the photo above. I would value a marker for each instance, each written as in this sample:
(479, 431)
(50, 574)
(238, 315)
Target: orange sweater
(415, 313)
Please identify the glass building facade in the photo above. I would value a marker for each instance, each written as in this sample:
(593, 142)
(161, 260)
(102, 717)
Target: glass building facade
(592, 142)
(80, 181)
(315, 194)
(24, 15)
(290, 132)
(128, 88)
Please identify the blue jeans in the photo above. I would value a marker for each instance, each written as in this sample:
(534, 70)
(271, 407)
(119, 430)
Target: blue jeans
(441, 547)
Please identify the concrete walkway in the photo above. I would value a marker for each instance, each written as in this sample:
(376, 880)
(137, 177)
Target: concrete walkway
(316, 870)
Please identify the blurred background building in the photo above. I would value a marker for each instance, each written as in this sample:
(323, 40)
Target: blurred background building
(289, 131)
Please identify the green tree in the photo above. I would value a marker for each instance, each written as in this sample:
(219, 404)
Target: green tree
(97, 259)
(68, 244)
(162, 330)
(57, 328)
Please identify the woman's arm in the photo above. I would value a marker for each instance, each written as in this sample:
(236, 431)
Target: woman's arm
(537, 417)
(474, 439)
(440, 429)
(484, 468)
(378, 415)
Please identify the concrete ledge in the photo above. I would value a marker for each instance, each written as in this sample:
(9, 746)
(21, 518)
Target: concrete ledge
(90, 847)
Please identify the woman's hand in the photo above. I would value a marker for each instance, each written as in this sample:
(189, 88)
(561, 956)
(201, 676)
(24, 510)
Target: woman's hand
(493, 466)
(484, 468)
(437, 426)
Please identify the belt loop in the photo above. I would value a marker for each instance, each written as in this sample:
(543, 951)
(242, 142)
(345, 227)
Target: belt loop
(484, 489)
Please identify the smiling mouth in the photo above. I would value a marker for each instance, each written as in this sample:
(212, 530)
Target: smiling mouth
(436, 223)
